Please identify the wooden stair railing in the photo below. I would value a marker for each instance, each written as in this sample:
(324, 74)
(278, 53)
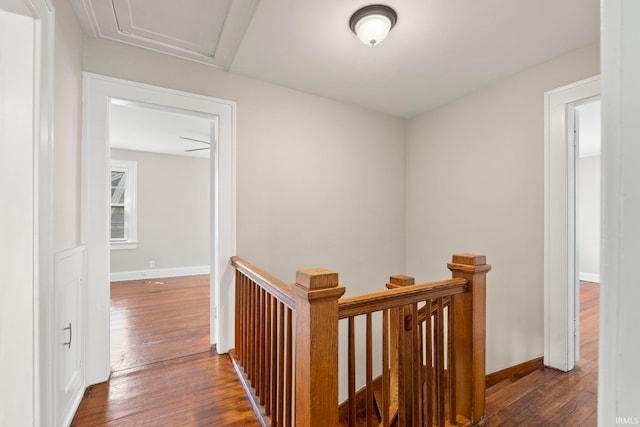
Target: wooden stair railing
(263, 353)
(427, 378)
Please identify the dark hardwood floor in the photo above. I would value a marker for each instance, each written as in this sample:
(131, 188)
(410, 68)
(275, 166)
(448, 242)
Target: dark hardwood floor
(164, 372)
(548, 397)
(158, 319)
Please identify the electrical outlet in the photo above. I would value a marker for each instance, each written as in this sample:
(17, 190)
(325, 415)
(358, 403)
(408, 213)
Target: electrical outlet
(152, 264)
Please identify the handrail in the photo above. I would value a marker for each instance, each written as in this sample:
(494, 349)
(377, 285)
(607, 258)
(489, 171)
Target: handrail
(274, 286)
(376, 301)
(433, 346)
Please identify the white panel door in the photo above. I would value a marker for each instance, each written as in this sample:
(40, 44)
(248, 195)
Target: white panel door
(70, 274)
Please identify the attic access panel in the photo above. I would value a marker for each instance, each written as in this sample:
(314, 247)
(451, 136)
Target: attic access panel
(207, 31)
(190, 24)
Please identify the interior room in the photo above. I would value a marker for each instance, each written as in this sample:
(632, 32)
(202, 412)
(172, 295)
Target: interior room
(368, 155)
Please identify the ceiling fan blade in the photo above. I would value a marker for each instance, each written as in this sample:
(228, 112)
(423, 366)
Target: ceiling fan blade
(198, 149)
(196, 140)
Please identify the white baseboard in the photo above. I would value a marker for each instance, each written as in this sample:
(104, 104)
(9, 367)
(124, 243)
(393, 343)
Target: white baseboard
(590, 277)
(159, 272)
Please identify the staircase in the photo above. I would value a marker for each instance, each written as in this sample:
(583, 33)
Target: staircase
(499, 398)
(430, 348)
(361, 415)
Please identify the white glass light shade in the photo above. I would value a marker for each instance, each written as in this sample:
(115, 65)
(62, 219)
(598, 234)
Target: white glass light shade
(373, 29)
(372, 23)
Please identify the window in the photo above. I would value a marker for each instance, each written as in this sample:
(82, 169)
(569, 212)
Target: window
(124, 230)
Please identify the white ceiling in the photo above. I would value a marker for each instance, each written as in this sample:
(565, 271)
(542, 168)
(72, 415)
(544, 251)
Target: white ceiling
(207, 31)
(141, 127)
(438, 51)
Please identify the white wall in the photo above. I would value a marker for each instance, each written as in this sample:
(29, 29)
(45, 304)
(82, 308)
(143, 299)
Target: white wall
(17, 219)
(319, 183)
(619, 370)
(67, 128)
(589, 218)
(618, 394)
(173, 212)
(475, 184)
(322, 183)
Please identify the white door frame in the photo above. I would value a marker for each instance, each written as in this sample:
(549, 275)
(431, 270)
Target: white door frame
(32, 401)
(561, 304)
(97, 92)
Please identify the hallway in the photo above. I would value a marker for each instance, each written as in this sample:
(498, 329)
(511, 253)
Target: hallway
(171, 378)
(163, 370)
(548, 397)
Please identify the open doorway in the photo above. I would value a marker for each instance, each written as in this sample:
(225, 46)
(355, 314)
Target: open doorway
(588, 190)
(98, 91)
(561, 262)
(160, 232)
(587, 126)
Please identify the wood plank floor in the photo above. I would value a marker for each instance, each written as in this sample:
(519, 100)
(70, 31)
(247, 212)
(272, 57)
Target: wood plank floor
(158, 319)
(164, 372)
(548, 397)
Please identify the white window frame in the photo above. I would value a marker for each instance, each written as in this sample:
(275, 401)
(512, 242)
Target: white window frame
(130, 168)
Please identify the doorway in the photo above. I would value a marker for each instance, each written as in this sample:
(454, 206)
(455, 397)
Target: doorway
(561, 264)
(98, 92)
(587, 131)
(160, 232)
(588, 118)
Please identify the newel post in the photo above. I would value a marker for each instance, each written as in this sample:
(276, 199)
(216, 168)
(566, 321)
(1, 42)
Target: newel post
(469, 332)
(316, 367)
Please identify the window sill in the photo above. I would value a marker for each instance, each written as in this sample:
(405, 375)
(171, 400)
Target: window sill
(119, 246)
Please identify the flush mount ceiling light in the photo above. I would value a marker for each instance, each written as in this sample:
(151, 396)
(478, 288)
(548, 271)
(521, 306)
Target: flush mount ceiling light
(372, 23)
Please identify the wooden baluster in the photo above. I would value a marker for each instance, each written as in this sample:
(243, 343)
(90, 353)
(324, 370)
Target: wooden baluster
(274, 360)
(317, 293)
(369, 371)
(417, 366)
(281, 373)
(256, 338)
(238, 323)
(289, 373)
(268, 355)
(247, 312)
(451, 353)
(440, 393)
(263, 344)
(469, 335)
(421, 365)
(385, 368)
(245, 325)
(402, 356)
(260, 331)
(238, 338)
(351, 371)
(428, 375)
(253, 336)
